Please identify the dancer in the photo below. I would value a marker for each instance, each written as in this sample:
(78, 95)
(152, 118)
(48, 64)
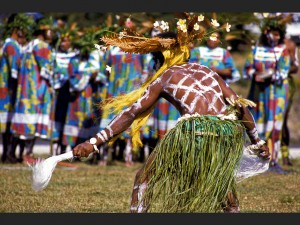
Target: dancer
(193, 166)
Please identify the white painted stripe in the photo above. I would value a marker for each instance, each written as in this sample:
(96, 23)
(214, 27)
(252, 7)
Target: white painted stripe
(99, 135)
(104, 135)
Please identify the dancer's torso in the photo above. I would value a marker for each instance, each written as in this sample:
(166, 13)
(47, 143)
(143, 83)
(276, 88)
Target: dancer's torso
(193, 88)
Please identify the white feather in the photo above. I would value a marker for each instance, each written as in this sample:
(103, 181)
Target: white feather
(42, 170)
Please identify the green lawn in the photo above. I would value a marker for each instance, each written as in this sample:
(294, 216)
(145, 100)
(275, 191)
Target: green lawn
(91, 188)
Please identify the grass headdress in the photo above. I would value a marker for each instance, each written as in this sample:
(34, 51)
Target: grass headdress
(22, 22)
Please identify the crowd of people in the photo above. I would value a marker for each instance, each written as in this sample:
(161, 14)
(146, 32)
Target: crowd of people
(52, 88)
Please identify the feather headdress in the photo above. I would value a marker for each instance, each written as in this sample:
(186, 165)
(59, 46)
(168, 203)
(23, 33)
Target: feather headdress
(174, 50)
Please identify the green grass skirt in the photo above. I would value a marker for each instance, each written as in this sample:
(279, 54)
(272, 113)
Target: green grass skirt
(194, 165)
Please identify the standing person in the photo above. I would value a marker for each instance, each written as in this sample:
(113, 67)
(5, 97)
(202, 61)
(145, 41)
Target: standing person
(216, 58)
(193, 166)
(31, 118)
(82, 115)
(268, 66)
(127, 70)
(61, 86)
(18, 27)
(285, 134)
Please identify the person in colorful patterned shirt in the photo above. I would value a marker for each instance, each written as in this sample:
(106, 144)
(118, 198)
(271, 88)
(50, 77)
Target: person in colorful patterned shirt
(126, 72)
(268, 65)
(216, 58)
(83, 115)
(61, 86)
(31, 118)
(17, 28)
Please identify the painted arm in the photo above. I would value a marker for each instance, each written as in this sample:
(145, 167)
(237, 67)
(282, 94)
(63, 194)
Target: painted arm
(122, 121)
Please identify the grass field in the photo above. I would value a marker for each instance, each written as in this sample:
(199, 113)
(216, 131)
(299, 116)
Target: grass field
(91, 188)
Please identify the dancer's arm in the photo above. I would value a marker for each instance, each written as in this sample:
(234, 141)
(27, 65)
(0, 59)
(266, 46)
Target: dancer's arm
(246, 117)
(122, 121)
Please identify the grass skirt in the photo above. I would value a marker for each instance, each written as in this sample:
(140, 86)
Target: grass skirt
(194, 166)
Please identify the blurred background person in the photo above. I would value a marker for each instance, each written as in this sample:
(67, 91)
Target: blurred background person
(216, 58)
(62, 55)
(126, 72)
(268, 66)
(18, 28)
(83, 114)
(32, 113)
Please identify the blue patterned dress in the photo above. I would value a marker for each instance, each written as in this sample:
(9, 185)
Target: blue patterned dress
(32, 112)
(9, 69)
(83, 115)
(127, 71)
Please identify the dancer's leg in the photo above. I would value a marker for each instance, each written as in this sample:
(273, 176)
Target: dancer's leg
(232, 204)
(138, 205)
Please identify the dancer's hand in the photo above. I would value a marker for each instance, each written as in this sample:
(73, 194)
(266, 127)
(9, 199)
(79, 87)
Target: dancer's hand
(83, 150)
(264, 152)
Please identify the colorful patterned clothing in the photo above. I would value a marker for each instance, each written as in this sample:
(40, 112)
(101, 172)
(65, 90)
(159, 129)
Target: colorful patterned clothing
(219, 58)
(83, 115)
(62, 93)
(127, 71)
(9, 69)
(32, 112)
(271, 97)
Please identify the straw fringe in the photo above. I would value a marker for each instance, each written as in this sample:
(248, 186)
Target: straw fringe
(192, 172)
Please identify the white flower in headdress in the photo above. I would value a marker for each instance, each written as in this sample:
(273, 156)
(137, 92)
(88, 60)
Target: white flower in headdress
(200, 18)
(156, 24)
(196, 26)
(227, 27)
(181, 22)
(117, 17)
(265, 15)
(122, 34)
(182, 25)
(164, 26)
(214, 23)
(213, 37)
(108, 68)
(183, 28)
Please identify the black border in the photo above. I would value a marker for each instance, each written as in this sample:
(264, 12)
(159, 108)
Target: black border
(148, 6)
(151, 5)
(149, 219)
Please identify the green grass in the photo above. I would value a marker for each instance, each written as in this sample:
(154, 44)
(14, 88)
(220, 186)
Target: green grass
(90, 188)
